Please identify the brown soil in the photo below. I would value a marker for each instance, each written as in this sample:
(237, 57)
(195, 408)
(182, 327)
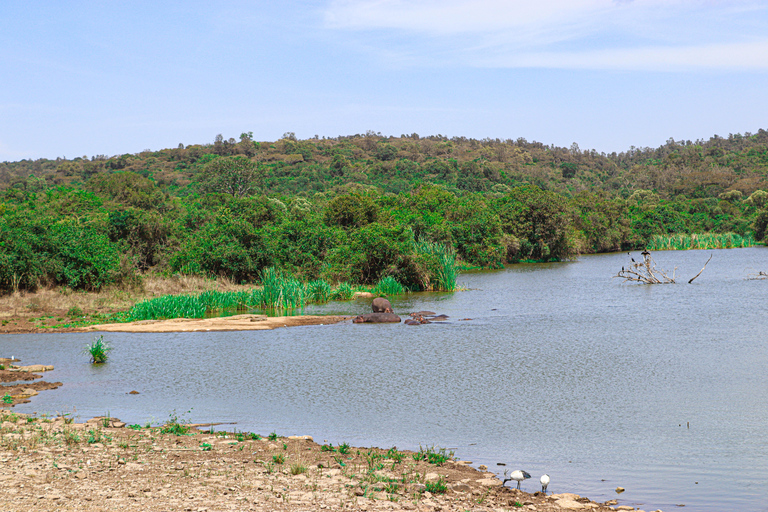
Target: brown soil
(50, 464)
(226, 323)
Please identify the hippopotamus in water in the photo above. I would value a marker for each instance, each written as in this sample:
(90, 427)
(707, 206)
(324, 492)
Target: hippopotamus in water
(422, 313)
(381, 305)
(377, 318)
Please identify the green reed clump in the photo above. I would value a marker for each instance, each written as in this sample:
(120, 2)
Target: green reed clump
(168, 306)
(98, 350)
(319, 291)
(683, 242)
(280, 291)
(388, 286)
(343, 291)
(442, 267)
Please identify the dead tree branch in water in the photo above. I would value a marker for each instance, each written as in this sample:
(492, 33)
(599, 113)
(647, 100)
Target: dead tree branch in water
(646, 272)
(759, 275)
(700, 271)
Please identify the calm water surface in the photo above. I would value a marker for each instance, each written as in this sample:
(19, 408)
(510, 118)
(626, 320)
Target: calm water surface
(561, 370)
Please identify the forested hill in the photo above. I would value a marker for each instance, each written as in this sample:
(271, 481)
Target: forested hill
(364, 207)
(697, 169)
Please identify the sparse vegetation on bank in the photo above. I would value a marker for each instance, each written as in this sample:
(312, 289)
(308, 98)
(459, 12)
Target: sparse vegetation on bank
(162, 468)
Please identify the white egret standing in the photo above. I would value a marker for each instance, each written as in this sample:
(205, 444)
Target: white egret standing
(544, 483)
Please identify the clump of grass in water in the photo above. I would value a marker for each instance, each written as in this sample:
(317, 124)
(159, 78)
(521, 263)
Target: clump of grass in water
(443, 270)
(319, 291)
(169, 306)
(343, 291)
(388, 286)
(98, 350)
(281, 292)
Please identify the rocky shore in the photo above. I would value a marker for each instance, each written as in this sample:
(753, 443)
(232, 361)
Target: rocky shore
(102, 464)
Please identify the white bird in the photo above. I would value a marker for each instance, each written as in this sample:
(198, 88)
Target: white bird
(518, 475)
(544, 483)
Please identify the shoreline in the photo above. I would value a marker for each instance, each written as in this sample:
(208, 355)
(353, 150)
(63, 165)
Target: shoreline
(246, 322)
(103, 464)
(226, 323)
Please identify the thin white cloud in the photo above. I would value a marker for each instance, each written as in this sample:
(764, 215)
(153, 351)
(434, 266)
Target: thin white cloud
(592, 34)
(738, 56)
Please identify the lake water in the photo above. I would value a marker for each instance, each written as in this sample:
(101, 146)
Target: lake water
(662, 390)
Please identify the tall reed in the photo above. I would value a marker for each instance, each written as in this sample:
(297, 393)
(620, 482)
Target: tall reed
(443, 271)
(281, 292)
(682, 242)
(319, 291)
(168, 306)
(388, 286)
(343, 291)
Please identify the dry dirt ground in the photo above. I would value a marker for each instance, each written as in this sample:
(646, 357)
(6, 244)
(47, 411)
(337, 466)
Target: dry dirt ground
(102, 464)
(226, 323)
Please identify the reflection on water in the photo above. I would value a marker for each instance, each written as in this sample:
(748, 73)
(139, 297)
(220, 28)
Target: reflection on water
(561, 369)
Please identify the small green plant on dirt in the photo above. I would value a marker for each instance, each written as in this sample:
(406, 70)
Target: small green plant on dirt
(7, 399)
(327, 448)
(395, 455)
(106, 420)
(98, 350)
(95, 436)
(270, 467)
(298, 469)
(135, 426)
(272, 436)
(391, 487)
(436, 456)
(206, 447)
(339, 461)
(278, 459)
(253, 436)
(343, 448)
(2, 367)
(517, 504)
(175, 425)
(71, 437)
(436, 486)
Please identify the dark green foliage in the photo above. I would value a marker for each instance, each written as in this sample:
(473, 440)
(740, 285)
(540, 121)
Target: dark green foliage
(350, 209)
(234, 175)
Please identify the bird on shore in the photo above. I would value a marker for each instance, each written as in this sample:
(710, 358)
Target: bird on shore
(544, 483)
(518, 475)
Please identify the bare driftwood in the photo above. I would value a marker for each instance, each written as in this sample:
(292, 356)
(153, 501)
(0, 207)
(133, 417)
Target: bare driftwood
(646, 271)
(759, 275)
(700, 271)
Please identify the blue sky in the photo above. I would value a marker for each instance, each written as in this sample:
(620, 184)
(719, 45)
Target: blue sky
(85, 78)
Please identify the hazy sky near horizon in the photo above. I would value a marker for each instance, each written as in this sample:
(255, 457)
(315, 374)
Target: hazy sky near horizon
(85, 78)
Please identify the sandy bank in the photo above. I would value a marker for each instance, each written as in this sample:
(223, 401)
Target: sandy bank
(228, 323)
(56, 464)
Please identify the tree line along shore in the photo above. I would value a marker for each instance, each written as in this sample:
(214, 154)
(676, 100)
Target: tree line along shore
(360, 209)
